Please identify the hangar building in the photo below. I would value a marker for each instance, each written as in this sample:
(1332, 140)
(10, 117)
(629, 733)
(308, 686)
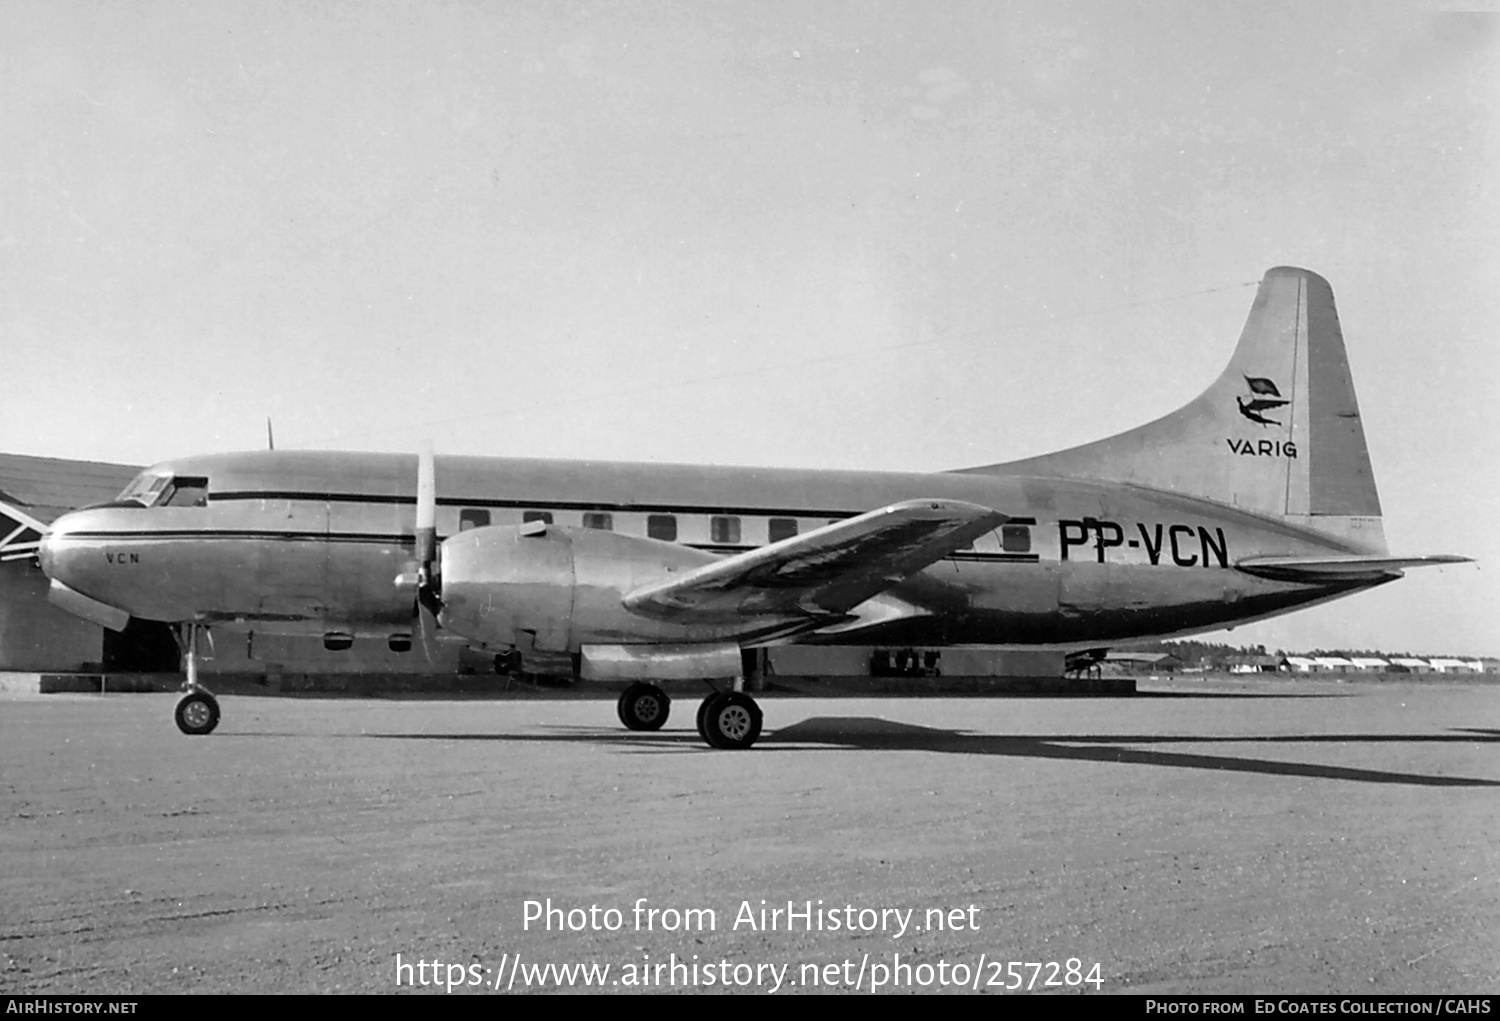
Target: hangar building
(35, 635)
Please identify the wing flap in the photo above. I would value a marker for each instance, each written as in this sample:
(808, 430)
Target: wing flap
(822, 573)
(1345, 567)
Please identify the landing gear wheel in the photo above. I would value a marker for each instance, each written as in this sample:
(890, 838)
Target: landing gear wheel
(702, 714)
(644, 707)
(730, 720)
(197, 713)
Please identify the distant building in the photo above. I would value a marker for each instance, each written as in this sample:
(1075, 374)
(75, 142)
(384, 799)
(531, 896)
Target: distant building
(47, 487)
(34, 634)
(1255, 664)
(1456, 666)
(1145, 662)
(1375, 664)
(1318, 664)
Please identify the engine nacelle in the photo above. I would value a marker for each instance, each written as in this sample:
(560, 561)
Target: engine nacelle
(555, 588)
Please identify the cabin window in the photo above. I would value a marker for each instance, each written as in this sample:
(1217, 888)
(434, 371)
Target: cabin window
(1015, 538)
(472, 517)
(543, 516)
(782, 528)
(662, 526)
(724, 530)
(599, 520)
(186, 491)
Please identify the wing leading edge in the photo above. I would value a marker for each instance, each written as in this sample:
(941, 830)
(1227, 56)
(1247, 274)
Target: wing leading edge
(820, 574)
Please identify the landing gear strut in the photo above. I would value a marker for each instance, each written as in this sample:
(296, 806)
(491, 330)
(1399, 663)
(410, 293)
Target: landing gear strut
(644, 707)
(197, 710)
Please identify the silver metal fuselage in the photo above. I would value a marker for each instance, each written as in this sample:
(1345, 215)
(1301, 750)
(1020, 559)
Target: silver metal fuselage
(309, 542)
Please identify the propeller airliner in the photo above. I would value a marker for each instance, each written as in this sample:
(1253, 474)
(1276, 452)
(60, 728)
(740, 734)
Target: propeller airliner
(1212, 516)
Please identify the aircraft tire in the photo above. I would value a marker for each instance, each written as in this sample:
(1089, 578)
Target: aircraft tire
(731, 721)
(702, 715)
(197, 713)
(643, 707)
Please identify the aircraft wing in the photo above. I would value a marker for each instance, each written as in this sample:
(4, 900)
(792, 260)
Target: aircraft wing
(823, 573)
(1345, 567)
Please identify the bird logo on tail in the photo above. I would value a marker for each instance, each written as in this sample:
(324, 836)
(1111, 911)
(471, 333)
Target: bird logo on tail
(1265, 397)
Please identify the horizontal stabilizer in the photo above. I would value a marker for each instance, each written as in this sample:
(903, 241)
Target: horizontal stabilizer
(822, 573)
(1350, 567)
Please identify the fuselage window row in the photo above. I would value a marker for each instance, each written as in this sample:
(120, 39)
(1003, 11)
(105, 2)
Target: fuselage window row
(724, 530)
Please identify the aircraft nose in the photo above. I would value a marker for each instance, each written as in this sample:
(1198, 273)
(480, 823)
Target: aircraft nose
(61, 551)
(78, 551)
(76, 588)
(47, 549)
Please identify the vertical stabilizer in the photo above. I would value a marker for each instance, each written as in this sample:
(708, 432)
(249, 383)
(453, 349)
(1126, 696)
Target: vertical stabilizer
(1278, 433)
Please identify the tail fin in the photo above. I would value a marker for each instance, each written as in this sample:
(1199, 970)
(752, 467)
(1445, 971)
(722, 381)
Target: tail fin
(1278, 433)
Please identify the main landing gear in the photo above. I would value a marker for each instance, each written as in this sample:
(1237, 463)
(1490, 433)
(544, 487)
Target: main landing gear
(729, 720)
(197, 710)
(726, 719)
(644, 707)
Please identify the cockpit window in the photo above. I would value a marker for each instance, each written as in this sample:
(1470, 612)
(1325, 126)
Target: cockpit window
(148, 490)
(186, 491)
(145, 489)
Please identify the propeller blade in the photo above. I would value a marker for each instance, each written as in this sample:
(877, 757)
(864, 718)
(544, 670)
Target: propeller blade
(426, 513)
(428, 582)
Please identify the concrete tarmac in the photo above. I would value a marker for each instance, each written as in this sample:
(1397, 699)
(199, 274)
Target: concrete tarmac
(1200, 837)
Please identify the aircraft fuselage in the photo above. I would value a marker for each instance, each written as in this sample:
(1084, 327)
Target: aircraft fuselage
(307, 542)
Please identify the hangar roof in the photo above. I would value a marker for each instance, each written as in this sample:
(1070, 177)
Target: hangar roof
(48, 486)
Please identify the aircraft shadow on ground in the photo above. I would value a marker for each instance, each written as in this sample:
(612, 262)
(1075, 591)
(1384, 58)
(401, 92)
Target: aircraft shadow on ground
(1242, 695)
(875, 734)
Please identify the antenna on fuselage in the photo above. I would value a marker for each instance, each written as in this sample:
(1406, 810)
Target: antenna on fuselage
(270, 436)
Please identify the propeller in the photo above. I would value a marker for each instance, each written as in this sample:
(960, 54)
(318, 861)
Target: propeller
(422, 576)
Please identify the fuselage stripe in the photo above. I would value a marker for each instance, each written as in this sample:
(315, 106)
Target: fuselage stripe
(247, 533)
(389, 539)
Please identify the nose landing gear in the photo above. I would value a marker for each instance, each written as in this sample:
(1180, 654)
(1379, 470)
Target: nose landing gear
(197, 711)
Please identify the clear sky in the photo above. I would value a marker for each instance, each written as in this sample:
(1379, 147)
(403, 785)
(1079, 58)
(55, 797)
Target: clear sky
(875, 235)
